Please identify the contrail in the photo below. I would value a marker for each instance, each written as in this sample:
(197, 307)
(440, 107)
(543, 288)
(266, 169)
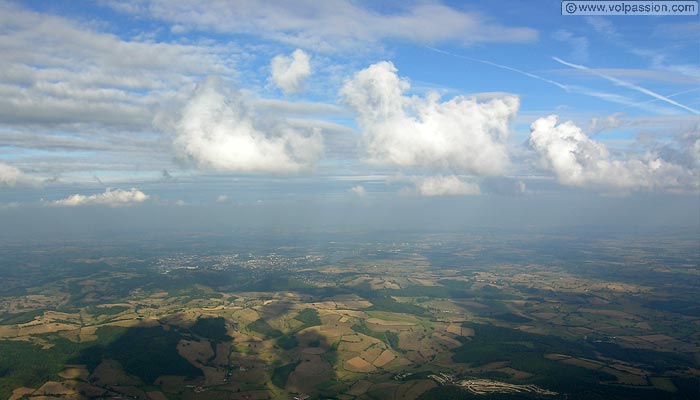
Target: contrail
(493, 64)
(567, 88)
(628, 85)
(669, 96)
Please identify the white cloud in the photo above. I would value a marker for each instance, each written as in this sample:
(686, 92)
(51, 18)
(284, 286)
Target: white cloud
(692, 146)
(462, 134)
(449, 185)
(683, 148)
(577, 160)
(67, 86)
(111, 197)
(612, 97)
(288, 73)
(217, 130)
(11, 175)
(55, 70)
(358, 190)
(332, 25)
(222, 198)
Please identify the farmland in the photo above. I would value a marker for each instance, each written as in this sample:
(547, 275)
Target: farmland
(430, 317)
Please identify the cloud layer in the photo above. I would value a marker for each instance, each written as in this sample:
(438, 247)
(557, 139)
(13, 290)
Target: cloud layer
(577, 160)
(111, 197)
(449, 185)
(217, 130)
(288, 73)
(72, 87)
(461, 134)
(57, 71)
(11, 176)
(331, 25)
(79, 91)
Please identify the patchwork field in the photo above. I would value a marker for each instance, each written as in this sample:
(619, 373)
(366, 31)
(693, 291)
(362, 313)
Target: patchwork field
(426, 322)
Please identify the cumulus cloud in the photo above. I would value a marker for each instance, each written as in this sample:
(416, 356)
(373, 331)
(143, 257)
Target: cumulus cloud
(358, 190)
(11, 175)
(111, 197)
(288, 73)
(684, 150)
(578, 160)
(449, 185)
(691, 144)
(222, 198)
(464, 134)
(218, 130)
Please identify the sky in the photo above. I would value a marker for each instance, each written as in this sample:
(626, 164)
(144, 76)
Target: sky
(218, 114)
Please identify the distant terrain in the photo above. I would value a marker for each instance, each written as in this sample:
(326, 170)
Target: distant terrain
(485, 315)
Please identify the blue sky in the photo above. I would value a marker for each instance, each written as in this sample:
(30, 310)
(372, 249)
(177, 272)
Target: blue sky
(187, 104)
